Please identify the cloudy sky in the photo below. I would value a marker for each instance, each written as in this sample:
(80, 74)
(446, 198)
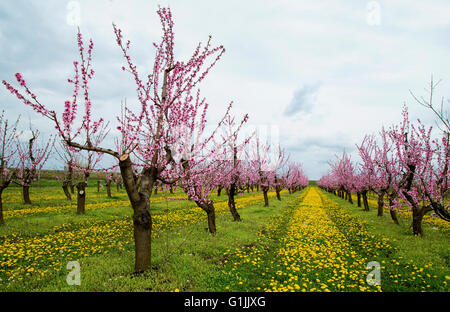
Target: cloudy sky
(318, 74)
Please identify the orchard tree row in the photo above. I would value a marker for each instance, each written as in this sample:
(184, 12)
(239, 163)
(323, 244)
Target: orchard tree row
(406, 165)
(21, 162)
(163, 141)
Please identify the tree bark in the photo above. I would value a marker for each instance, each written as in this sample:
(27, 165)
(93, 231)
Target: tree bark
(108, 188)
(266, 198)
(142, 220)
(81, 197)
(142, 223)
(394, 216)
(380, 204)
(232, 204)
(393, 212)
(98, 186)
(211, 214)
(1, 208)
(349, 196)
(365, 202)
(417, 221)
(219, 190)
(26, 194)
(358, 196)
(212, 221)
(277, 190)
(65, 188)
(69, 177)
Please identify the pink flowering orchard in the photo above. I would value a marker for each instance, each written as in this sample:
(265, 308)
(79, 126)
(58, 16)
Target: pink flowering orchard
(70, 159)
(201, 161)
(8, 136)
(264, 162)
(406, 164)
(423, 168)
(294, 179)
(32, 157)
(233, 176)
(167, 97)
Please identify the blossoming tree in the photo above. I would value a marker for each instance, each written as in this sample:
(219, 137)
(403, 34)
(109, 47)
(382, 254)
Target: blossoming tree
(32, 157)
(233, 176)
(8, 137)
(165, 97)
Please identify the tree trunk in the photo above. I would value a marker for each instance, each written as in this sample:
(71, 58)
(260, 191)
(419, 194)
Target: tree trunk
(266, 198)
(365, 202)
(98, 186)
(393, 212)
(26, 194)
(212, 221)
(232, 204)
(358, 195)
(349, 196)
(211, 214)
(345, 195)
(81, 197)
(380, 204)
(277, 190)
(72, 188)
(1, 208)
(394, 216)
(142, 220)
(142, 223)
(417, 221)
(108, 188)
(219, 190)
(65, 188)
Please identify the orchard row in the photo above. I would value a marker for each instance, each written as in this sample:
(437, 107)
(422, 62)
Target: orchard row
(163, 140)
(406, 166)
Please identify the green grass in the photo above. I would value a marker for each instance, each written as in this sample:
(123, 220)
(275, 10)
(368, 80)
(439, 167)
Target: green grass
(432, 251)
(238, 272)
(186, 257)
(181, 257)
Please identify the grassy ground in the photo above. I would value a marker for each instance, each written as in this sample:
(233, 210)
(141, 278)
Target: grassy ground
(309, 241)
(48, 234)
(414, 256)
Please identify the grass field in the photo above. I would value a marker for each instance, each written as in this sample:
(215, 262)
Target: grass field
(308, 241)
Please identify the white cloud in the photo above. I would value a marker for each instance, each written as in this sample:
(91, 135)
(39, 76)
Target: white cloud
(273, 48)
